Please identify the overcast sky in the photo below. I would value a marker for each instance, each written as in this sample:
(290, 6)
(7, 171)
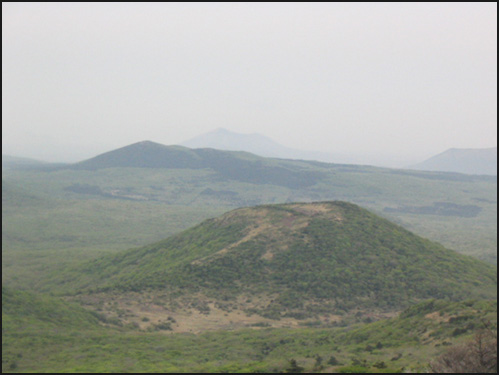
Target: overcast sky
(403, 79)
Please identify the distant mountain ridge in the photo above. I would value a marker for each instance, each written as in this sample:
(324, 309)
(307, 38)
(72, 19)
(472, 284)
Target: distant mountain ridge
(239, 166)
(462, 160)
(9, 161)
(223, 139)
(148, 171)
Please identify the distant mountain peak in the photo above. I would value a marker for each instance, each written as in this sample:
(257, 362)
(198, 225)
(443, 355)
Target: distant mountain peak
(146, 144)
(227, 140)
(222, 130)
(462, 160)
(261, 145)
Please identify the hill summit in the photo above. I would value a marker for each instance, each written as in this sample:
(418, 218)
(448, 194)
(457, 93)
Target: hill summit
(236, 166)
(294, 259)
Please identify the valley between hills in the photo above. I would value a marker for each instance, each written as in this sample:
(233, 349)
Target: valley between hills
(164, 258)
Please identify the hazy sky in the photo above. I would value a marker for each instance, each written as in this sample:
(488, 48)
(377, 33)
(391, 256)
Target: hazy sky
(404, 79)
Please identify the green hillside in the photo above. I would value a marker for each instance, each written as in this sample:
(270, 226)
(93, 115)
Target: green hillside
(409, 341)
(237, 166)
(310, 258)
(459, 211)
(53, 217)
(23, 310)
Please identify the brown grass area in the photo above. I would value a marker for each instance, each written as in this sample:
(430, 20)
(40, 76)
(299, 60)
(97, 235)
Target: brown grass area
(216, 319)
(145, 311)
(437, 317)
(252, 234)
(311, 208)
(249, 212)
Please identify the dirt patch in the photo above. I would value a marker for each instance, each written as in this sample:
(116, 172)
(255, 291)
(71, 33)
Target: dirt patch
(216, 319)
(315, 209)
(311, 209)
(268, 255)
(263, 222)
(153, 312)
(252, 234)
(437, 317)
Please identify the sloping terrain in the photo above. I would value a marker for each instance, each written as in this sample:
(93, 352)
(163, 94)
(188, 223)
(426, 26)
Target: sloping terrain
(22, 310)
(238, 166)
(457, 210)
(240, 179)
(43, 334)
(296, 260)
(9, 162)
(53, 216)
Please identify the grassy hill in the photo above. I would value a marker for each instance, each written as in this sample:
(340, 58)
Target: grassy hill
(297, 260)
(237, 166)
(326, 269)
(56, 216)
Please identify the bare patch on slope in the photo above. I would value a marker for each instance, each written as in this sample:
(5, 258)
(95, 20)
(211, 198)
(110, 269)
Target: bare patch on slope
(252, 234)
(275, 225)
(315, 209)
(190, 314)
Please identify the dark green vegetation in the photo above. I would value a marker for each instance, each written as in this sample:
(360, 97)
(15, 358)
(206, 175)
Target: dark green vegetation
(236, 166)
(283, 273)
(145, 192)
(311, 258)
(24, 310)
(42, 334)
